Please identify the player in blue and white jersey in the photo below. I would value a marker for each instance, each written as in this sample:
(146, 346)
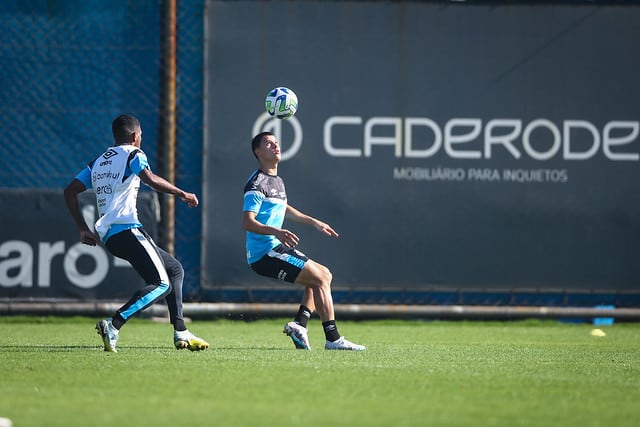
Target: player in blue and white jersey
(271, 249)
(115, 178)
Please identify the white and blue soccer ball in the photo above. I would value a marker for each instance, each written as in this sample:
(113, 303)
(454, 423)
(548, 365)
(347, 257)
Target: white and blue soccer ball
(281, 102)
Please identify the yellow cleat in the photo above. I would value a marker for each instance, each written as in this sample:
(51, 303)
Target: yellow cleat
(185, 339)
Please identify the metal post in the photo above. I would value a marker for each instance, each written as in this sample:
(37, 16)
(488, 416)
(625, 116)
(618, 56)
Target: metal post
(167, 122)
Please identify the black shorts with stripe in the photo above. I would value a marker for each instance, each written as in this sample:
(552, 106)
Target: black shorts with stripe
(282, 263)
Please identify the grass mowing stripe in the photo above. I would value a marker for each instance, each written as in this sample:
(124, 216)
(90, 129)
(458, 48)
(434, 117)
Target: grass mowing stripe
(54, 373)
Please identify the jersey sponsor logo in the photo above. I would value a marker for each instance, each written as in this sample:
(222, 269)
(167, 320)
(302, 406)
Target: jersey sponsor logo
(109, 153)
(104, 175)
(103, 189)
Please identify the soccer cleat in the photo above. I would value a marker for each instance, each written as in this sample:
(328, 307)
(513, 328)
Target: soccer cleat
(109, 335)
(185, 339)
(343, 344)
(298, 335)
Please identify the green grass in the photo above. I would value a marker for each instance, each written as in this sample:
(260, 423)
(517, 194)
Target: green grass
(53, 372)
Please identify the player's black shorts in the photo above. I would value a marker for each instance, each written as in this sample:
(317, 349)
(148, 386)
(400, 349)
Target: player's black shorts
(281, 263)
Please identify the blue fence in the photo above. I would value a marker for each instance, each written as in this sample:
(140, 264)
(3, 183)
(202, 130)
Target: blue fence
(69, 67)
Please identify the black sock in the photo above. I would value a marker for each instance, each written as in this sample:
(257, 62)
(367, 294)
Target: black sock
(331, 330)
(117, 321)
(304, 313)
(178, 325)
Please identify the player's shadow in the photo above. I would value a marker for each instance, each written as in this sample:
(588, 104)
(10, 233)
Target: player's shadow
(43, 347)
(68, 348)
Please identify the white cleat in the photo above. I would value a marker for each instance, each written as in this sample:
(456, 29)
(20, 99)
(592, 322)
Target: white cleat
(343, 344)
(109, 335)
(298, 335)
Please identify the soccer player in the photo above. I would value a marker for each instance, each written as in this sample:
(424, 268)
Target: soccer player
(115, 178)
(271, 249)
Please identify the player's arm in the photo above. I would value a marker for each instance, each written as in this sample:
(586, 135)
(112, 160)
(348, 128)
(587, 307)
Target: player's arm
(296, 216)
(250, 223)
(163, 186)
(74, 188)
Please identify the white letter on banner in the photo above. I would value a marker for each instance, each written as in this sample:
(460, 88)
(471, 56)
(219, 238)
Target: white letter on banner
(526, 140)
(566, 136)
(450, 139)
(46, 252)
(395, 139)
(506, 140)
(409, 123)
(89, 280)
(23, 262)
(608, 140)
(328, 146)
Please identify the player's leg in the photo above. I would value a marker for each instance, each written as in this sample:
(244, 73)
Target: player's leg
(317, 280)
(182, 337)
(307, 306)
(285, 264)
(318, 277)
(174, 298)
(134, 246)
(307, 300)
(291, 265)
(297, 329)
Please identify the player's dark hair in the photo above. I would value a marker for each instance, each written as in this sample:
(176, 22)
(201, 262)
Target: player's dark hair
(122, 127)
(255, 142)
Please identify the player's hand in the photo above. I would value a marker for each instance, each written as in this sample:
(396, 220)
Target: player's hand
(288, 238)
(88, 238)
(190, 199)
(325, 229)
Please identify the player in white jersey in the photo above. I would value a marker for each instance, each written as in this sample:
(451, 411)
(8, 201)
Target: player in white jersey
(271, 249)
(115, 178)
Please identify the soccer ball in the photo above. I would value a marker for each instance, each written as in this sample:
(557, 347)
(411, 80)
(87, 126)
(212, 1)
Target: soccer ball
(281, 102)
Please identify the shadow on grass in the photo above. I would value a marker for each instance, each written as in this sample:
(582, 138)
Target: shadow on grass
(67, 348)
(44, 347)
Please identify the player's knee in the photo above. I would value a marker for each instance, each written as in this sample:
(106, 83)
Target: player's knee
(327, 276)
(176, 274)
(175, 271)
(324, 277)
(317, 276)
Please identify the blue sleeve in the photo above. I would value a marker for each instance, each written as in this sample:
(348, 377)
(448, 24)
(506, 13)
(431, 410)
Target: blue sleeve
(85, 177)
(252, 201)
(139, 163)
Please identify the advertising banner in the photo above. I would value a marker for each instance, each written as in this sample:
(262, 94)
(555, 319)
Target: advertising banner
(450, 145)
(41, 255)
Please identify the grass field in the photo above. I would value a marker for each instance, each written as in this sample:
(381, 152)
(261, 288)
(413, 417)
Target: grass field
(53, 372)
